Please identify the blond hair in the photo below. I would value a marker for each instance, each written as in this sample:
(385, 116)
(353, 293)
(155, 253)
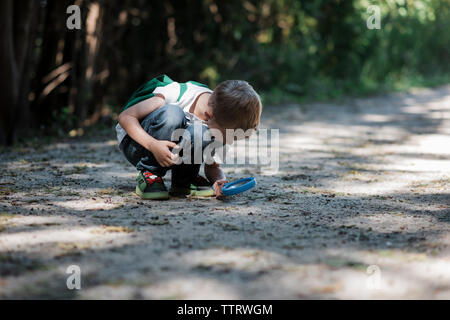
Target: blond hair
(236, 105)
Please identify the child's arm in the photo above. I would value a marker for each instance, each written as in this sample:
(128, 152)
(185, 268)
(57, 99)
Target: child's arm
(215, 174)
(129, 121)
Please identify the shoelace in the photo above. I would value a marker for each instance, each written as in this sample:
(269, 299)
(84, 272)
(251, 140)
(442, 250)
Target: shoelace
(151, 178)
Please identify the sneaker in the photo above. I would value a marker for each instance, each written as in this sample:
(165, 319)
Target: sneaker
(151, 187)
(200, 187)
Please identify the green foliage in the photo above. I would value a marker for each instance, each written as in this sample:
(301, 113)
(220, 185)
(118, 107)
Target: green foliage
(287, 49)
(324, 48)
(318, 49)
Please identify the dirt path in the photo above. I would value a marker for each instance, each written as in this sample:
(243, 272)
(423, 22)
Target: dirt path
(362, 194)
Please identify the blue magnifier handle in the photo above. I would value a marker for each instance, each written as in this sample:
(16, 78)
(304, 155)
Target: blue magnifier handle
(238, 186)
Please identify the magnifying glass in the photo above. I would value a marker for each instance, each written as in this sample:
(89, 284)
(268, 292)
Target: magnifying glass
(238, 186)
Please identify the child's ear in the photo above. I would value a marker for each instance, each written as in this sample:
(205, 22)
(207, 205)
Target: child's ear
(208, 115)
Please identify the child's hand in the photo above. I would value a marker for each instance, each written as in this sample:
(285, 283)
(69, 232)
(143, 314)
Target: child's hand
(160, 149)
(218, 185)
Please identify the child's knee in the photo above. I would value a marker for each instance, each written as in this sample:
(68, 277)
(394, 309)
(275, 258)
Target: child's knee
(172, 116)
(199, 134)
(195, 139)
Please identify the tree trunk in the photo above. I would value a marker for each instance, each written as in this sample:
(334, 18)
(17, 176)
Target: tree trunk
(16, 23)
(10, 77)
(94, 24)
(53, 49)
(26, 18)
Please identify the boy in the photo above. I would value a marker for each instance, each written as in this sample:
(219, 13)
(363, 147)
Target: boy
(160, 107)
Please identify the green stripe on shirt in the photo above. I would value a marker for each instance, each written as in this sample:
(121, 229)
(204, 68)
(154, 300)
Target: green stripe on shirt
(183, 88)
(146, 90)
(198, 84)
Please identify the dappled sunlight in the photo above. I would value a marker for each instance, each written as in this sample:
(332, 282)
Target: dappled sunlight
(88, 205)
(351, 153)
(191, 287)
(400, 274)
(418, 165)
(242, 259)
(380, 118)
(91, 236)
(32, 220)
(433, 144)
(339, 275)
(398, 222)
(386, 142)
(358, 185)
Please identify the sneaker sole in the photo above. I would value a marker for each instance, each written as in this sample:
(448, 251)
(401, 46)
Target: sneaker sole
(162, 195)
(202, 193)
(192, 193)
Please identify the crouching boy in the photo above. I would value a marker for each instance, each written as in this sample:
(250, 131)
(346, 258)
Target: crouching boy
(167, 125)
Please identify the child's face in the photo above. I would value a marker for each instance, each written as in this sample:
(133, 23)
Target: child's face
(218, 132)
(204, 113)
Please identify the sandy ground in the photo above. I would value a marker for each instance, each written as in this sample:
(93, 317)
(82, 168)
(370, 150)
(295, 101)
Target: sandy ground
(359, 209)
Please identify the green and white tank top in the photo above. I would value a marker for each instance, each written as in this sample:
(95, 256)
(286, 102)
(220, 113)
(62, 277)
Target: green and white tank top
(181, 94)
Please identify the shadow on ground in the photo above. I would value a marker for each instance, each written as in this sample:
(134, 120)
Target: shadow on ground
(362, 186)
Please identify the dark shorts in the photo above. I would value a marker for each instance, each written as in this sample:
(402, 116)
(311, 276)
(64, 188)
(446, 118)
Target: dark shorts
(161, 124)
